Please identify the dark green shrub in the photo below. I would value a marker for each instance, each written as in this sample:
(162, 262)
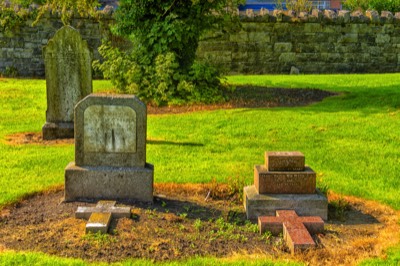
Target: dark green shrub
(160, 67)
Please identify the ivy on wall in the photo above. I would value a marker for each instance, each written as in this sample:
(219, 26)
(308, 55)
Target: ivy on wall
(11, 18)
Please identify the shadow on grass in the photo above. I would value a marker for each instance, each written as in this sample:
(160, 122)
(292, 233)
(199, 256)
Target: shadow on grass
(174, 143)
(364, 100)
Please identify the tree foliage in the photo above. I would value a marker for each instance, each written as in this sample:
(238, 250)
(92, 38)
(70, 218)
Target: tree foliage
(378, 5)
(161, 65)
(67, 8)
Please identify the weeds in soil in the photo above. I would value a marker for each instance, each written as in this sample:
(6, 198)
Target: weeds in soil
(198, 225)
(152, 213)
(236, 186)
(183, 215)
(251, 227)
(267, 237)
(98, 239)
(226, 231)
(337, 209)
(279, 243)
(231, 188)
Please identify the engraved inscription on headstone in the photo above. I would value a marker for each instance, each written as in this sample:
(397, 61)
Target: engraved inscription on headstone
(109, 129)
(284, 182)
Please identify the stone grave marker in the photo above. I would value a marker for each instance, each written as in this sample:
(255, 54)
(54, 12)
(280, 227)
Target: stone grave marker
(110, 151)
(296, 230)
(286, 187)
(100, 216)
(284, 183)
(68, 67)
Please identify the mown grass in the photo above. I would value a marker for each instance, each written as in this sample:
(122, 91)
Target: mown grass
(32, 258)
(352, 140)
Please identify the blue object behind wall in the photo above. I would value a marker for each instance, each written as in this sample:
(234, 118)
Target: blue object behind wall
(258, 4)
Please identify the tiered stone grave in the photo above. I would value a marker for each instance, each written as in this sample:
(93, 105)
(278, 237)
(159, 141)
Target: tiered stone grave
(286, 187)
(284, 183)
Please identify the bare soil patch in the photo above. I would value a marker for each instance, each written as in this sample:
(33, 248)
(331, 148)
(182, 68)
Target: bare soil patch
(182, 224)
(248, 96)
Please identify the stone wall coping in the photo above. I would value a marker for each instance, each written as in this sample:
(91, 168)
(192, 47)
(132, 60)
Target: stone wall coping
(320, 16)
(265, 15)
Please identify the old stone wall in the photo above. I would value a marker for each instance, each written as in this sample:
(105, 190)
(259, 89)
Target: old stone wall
(21, 49)
(269, 42)
(321, 42)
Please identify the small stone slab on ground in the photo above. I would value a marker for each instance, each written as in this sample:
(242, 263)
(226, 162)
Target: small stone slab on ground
(101, 215)
(296, 230)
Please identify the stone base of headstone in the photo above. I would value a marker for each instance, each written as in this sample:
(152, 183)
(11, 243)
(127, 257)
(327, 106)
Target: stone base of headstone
(257, 204)
(58, 131)
(129, 183)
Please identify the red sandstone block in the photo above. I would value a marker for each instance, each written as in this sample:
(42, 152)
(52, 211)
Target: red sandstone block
(284, 161)
(267, 182)
(295, 231)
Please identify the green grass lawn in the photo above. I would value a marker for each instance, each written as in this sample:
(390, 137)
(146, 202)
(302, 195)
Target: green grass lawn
(352, 140)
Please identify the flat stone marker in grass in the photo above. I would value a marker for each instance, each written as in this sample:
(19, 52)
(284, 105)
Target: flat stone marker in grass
(296, 230)
(99, 217)
(68, 63)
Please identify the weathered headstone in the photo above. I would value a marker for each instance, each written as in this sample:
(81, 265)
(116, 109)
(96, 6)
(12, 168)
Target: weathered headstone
(68, 68)
(100, 216)
(284, 183)
(110, 150)
(296, 230)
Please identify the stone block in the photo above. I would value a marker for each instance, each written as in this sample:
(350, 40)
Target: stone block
(117, 212)
(283, 47)
(284, 161)
(58, 130)
(267, 204)
(128, 183)
(279, 182)
(287, 58)
(98, 222)
(349, 38)
(296, 230)
(382, 38)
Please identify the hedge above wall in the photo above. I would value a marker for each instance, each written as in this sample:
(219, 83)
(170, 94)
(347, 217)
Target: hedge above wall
(269, 42)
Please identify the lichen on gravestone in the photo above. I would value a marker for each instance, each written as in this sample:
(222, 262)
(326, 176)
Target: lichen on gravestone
(68, 80)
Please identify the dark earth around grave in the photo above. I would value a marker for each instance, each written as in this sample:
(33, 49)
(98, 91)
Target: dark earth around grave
(249, 96)
(188, 220)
